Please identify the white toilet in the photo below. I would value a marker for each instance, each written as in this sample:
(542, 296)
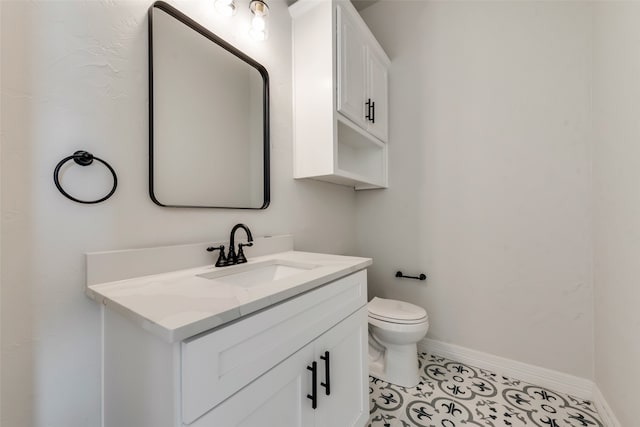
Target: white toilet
(395, 327)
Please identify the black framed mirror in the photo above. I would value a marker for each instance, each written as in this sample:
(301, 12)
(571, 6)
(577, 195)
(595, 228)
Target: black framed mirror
(208, 118)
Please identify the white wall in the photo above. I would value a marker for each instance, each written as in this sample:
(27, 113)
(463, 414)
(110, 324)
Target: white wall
(489, 172)
(617, 205)
(489, 176)
(74, 76)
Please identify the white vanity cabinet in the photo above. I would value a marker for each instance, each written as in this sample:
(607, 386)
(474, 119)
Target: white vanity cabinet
(340, 96)
(282, 397)
(252, 372)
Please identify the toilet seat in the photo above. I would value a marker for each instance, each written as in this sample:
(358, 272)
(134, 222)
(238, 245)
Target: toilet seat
(398, 321)
(399, 312)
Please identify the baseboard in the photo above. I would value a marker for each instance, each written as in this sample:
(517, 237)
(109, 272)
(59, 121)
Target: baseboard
(548, 378)
(604, 410)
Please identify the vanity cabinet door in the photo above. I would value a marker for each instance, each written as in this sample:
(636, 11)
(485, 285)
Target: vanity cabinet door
(347, 405)
(276, 399)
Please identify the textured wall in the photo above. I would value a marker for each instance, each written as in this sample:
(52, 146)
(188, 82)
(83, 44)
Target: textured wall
(74, 75)
(616, 165)
(489, 175)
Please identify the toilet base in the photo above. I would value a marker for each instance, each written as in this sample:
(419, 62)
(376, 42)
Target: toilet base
(397, 365)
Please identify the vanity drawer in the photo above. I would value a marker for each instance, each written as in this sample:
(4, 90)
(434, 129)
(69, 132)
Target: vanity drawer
(218, 364)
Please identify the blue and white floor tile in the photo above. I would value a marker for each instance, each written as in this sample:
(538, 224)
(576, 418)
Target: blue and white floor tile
(452, 394)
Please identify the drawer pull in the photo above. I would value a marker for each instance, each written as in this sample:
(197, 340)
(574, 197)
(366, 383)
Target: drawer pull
(314, 386)
(327, 373)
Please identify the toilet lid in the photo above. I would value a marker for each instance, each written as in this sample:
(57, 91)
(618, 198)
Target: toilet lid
(395, 310)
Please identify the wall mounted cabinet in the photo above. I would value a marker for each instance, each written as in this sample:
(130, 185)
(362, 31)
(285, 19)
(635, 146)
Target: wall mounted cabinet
(362, 76)
(340, 96)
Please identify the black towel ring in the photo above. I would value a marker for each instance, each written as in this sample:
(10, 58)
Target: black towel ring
(83, 158)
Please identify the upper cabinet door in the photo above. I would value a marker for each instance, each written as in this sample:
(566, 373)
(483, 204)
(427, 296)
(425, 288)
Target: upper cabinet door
(352, 56)
(378, 92)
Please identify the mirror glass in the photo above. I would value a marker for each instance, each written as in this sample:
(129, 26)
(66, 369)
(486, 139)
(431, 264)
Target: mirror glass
(209, 118)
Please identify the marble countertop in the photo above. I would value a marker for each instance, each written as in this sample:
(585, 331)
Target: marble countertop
(180, 304)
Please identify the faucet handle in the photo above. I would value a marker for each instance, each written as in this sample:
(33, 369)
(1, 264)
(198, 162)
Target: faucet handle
(241, 257)
(222, 260)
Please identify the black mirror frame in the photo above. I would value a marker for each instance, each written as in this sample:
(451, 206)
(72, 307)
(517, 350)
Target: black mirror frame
(175, 13)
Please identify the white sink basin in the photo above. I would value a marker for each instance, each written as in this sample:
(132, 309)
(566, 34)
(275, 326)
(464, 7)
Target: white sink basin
(262, 273)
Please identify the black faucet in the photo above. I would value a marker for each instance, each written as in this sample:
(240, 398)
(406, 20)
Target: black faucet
(232, 258)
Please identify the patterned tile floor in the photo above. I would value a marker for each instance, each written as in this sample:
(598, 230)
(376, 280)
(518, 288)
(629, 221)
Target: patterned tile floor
(453, 394)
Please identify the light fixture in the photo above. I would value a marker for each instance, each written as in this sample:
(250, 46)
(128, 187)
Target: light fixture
(226, 7)
(260, 11)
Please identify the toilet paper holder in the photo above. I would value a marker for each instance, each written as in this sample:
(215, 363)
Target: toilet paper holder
(422, 276)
